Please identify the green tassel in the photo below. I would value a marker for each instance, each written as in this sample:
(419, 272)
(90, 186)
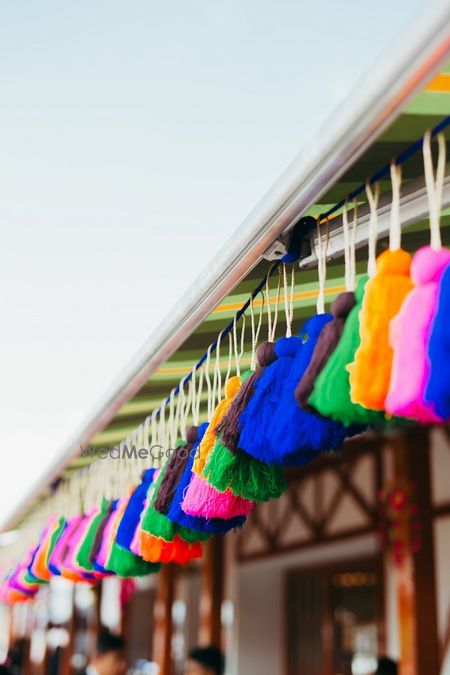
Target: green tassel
(124, 563)
(84, 551)
(247, 477)
(331, 393)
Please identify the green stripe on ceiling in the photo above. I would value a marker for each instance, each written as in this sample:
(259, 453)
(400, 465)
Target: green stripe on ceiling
(439, 102)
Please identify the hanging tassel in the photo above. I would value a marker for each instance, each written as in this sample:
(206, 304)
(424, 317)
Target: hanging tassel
(132, 514)
(176, 513)
(120, 560)
(229, 426)
(231, 389)
(174, 471)
(202, 499)
(244, 475)
(410, 334)
(325, 345)
(298, 435)
(95, 518)
(411, 329)
(384, 295)
(258, 417)
(370, 373)
(437, 391)
(331, 392)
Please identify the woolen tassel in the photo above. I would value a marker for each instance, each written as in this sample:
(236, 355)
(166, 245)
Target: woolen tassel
(55, 541)
(120, 560)
(155, 549)
(245, 476)
(174, 471)
(57, 555)
(205, 447)
(438, 386)
(298, 435)
(331, 392)
(258, 418)
(69, 568)
(410, 333)
(106, 541)
(326, 344)
(208, 525)
(131, 517)
(160, 526)
(202, 499)
(96, 516)
(370, 373)
(38, 565)
(229, 427)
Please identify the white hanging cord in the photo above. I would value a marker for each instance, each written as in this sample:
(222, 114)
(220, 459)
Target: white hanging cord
(196, 407)
(235, 344)
(208, 383)
(372, 197)
(288, 299)
(352, 276)
(346, 246)
(171, 430)
(395, 233)
(255, 333)
(217, 381)
(230, 358)
(186, 410)
(434, 186)
(322, 266)
(272, 324)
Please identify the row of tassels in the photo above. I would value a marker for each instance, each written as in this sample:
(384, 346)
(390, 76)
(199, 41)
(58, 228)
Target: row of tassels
(379, 358)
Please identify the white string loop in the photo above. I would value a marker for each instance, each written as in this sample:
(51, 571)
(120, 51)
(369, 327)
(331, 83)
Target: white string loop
(395, 232)
(372, 198)
(434, 186)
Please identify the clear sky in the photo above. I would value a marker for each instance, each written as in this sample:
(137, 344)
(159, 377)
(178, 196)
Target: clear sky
(134, 138)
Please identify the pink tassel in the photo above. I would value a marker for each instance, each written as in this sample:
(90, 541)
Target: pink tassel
(201, 499)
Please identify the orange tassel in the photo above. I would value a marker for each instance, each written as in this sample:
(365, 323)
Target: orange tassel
(205, 447)
(370, 373)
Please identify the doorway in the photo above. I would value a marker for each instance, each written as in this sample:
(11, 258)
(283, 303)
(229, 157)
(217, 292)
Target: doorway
(334, 619)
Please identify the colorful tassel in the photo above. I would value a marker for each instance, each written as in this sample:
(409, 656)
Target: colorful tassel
(326, 344)
(132, 514)
(176, 513)
(370, 373)
(410, 333)
(438, 388)
(331, 392)
(297, 434)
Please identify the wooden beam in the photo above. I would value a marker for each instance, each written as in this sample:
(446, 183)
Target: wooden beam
(416, 584)
(162, 636)
(210, 629)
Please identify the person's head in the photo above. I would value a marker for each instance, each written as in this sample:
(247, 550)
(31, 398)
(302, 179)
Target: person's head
(386, 666)
(205, 661)
(109, 657)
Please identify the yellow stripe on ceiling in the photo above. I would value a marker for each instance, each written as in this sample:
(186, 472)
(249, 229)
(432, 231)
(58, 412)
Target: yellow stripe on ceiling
(301, 295)
(441, 83)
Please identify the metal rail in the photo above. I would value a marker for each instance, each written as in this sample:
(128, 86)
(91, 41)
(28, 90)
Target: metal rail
(372, 105)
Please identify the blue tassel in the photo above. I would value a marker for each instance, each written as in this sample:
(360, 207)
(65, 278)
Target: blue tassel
(177, 515)
(256, 421)
(131, 517)
(438, 387)
(297, 435)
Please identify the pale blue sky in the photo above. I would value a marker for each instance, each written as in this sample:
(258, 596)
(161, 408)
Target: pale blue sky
(134, 138)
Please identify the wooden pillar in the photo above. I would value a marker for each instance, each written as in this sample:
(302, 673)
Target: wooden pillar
(162, 636)
(210, 629)
(416, 585)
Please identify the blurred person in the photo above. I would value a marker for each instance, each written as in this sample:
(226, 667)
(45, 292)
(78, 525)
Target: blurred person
(386, 667)
(205, 661)
(109, 656)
